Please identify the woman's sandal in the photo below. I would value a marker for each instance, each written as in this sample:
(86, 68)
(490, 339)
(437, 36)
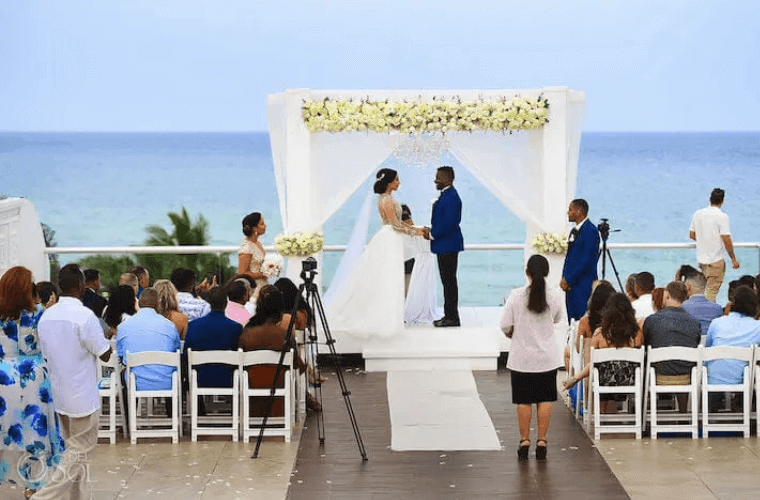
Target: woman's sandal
(522, 451)
(541, 450)
(28, 493)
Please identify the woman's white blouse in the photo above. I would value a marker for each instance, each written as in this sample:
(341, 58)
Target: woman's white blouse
(534, 345)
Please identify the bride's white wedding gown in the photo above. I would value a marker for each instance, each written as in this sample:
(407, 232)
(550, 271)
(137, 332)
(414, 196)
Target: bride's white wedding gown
(370, 302)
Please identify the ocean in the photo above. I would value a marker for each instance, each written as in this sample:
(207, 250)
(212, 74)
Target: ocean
(103, 189)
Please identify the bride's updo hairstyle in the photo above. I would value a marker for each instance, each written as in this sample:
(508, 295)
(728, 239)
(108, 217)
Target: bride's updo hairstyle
(250, 221)
(384, 177)
(538, 270)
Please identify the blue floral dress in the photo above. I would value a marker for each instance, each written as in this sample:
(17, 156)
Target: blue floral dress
(30, 438)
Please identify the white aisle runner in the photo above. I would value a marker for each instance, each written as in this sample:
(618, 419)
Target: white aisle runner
(438, 410)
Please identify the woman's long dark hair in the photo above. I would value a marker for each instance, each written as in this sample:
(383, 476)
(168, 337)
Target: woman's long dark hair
(538, 270)
(596, 304)
(619, 324)
(384, 177)
(270, 306)
(290, 294)
(120, 301)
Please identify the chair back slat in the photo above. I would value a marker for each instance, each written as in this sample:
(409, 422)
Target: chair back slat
(673, 353)
(635, 355)
(222, 357)
(153, 358)
(727, 352)
(265, 357)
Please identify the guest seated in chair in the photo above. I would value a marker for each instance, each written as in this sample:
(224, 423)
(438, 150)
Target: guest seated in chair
(148, 331)
(739, 328)
(673, 326)
(618, 329)
(264, 331)
(238, 292)
(214, 332)
(697, 305)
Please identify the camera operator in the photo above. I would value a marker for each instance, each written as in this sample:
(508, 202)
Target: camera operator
(579, 271)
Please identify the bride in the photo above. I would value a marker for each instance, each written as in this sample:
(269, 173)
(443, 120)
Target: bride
(370, 302)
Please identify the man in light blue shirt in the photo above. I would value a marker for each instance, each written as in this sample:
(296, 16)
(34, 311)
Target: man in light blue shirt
(739, 328)
(698, 305)
(148, 331)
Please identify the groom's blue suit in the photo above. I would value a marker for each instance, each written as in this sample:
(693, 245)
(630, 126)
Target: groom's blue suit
(580, 269)
(446, 243)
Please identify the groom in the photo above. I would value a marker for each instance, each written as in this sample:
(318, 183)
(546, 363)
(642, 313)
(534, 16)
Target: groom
(446, 242)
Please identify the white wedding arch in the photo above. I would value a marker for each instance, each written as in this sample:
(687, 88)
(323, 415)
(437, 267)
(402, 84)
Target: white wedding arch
(532, 172)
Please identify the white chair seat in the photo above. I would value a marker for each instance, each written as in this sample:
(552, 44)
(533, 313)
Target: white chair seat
(617, 422)
(221, 424)
(276, 426)
(153, 426)
(109, 387)
(729, 421)
(676, 422)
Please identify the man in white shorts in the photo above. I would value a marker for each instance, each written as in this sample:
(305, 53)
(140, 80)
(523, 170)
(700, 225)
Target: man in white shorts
(709, 228)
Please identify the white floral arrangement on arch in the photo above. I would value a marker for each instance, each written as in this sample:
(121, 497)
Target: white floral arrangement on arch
(348, 115)
(550, 243)
(300, 244)
(272, 266)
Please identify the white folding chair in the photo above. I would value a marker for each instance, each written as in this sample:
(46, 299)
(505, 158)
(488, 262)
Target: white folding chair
(154, 426)
(727, 421)
(576, 365)
(677, 422)
(218, 425)
(618, 421)
(109, 387)
(276, 426)
(756, 382)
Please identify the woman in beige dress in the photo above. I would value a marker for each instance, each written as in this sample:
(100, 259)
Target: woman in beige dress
(251, 252)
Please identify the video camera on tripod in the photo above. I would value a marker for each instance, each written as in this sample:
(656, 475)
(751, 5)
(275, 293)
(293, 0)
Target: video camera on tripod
(604, 252)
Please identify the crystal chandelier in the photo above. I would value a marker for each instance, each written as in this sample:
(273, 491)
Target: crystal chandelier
(421, 149)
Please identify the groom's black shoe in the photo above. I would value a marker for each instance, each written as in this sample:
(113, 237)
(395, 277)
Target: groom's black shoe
(444, 322)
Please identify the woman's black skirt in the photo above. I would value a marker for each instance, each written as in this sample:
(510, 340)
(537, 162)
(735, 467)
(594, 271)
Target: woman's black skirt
(533, 388)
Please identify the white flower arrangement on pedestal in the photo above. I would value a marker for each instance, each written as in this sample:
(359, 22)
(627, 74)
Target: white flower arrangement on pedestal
(299, 244)
(272, 266)
(348, 115)
(549, 243)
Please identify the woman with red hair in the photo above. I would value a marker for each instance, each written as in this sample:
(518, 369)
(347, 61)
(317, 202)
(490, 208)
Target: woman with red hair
(30, 441)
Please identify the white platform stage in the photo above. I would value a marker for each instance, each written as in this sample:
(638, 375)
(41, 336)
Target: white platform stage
(476, 345)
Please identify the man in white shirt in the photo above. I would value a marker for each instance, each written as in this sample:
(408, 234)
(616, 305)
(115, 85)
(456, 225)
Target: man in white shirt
(71, 340)
(644, 285)
(709, 228)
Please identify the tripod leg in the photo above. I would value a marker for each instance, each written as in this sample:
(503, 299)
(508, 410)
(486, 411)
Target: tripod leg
(339, 375)
(612, 262)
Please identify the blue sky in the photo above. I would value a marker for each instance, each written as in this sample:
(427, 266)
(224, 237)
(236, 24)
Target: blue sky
(190, 65)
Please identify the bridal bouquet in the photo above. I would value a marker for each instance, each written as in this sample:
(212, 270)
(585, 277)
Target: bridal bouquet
(550, 243)
(299, 244)
(272, 266)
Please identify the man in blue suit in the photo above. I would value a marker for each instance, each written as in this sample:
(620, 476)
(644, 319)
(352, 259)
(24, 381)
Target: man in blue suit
(579, 272)
(446, 242)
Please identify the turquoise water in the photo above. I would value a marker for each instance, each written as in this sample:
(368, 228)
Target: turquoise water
(103, 189)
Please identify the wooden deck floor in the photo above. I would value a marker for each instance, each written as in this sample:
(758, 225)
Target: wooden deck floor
(573, 470)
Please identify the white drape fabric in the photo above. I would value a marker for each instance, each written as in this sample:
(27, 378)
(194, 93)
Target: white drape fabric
(354, 248)
(508, 165)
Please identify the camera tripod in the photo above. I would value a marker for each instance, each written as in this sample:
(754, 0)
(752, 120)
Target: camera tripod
(604, 253)
(314, 302)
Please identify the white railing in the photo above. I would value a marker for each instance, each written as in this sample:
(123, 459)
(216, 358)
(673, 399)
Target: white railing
(340, 248)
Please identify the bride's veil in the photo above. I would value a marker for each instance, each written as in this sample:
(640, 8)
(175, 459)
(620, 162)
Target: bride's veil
(354, 249)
